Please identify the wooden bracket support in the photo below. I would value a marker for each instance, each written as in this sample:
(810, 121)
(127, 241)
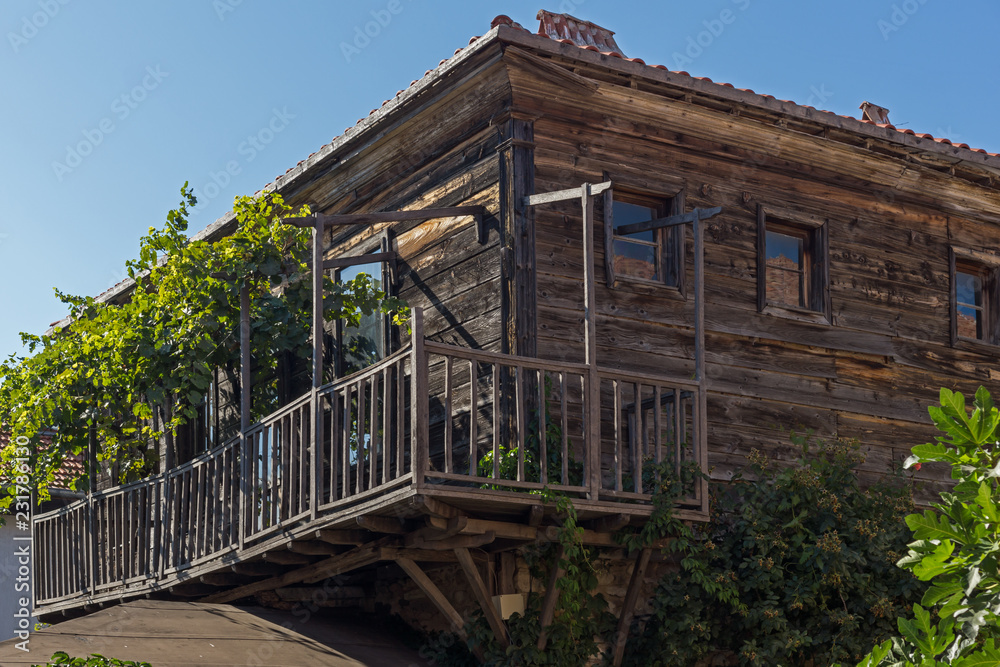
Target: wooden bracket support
(628, 606)
(482, 596)
(435, 595)
(551, 598)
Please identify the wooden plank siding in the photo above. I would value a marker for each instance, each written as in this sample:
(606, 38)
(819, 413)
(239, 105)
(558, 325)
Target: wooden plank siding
(869, 373)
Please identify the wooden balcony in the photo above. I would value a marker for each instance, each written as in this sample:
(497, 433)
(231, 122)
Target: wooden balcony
(432, 426)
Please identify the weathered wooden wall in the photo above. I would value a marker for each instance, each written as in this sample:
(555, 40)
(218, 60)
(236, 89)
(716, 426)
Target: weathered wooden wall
(869, 373)
(443, 155)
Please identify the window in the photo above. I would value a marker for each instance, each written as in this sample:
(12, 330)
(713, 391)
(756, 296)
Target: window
(974, 312)
(792, 273)
(361, 346)
(653, 255)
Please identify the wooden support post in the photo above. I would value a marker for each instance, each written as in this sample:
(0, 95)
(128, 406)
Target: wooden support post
(245, 356)
(245, 397)
(485, 603)
(551, 598)
(435, 595)
(700, 417)
(419, 436)
(318, 326)
(593, 402)
(628, 606)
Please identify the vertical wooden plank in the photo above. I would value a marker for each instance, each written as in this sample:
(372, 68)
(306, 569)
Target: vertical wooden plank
(699, 420)
(639, 445)
(543, 431)
(334, 439)
(473, 416)
(609, 235)
(318, 325)
(517, 239)
(373, 433)
(245, 380)
(303, 452)
(386, 438)
(761, 256)
(952, 297)
(345, 443)
(448, 462)
(563, 388)
(678, 427)
(398, 409)
(496, 420)
(593, 418)
(419, 392)
(619, 458)
(657, 434)
(519, 409)
(361, 431)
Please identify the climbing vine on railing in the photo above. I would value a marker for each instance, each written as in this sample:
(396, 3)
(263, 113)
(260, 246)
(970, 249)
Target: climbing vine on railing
(127, 372)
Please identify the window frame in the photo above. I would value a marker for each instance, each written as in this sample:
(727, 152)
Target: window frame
(987, 266)
(671, 253)
(814, 231)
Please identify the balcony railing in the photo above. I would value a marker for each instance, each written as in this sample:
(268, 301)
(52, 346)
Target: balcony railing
(433, 418)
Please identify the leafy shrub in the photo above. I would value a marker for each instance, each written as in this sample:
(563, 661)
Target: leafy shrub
(796, 564)
(957, 546)
(94, 660)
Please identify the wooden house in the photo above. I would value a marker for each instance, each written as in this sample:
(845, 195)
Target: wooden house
(645, 266)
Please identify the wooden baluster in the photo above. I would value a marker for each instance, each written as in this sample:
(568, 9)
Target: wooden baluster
(419, 396)
(473, 416)
(385, 379)
(399, 409)
(563, 387)
(619, 459)
(496, 421)
(543, 431)
(639, 442)
(448, 463)
(373, 433)
(519, 409)
(361, 430)
(345, 444)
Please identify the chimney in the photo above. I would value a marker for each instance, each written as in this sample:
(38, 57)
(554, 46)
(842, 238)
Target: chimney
(580, 32)
(874, 113)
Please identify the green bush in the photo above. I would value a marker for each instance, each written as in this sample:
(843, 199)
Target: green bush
(94, 660)
(956, 547)
(796, 564)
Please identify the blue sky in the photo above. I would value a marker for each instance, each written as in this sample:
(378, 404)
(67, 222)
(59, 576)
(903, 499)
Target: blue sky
(109, 107)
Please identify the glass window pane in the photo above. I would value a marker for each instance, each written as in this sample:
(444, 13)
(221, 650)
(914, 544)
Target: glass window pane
(363, 345)
(785, 287)
(635, 259)
(784, 250)
(969, 288)
(970, 322)
(627, 214)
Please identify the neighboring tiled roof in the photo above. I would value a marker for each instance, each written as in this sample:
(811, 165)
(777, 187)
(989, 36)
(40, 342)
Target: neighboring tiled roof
(579, 32)
(72, 467)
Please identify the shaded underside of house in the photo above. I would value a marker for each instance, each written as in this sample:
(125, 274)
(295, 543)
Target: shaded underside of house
(189, 634)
